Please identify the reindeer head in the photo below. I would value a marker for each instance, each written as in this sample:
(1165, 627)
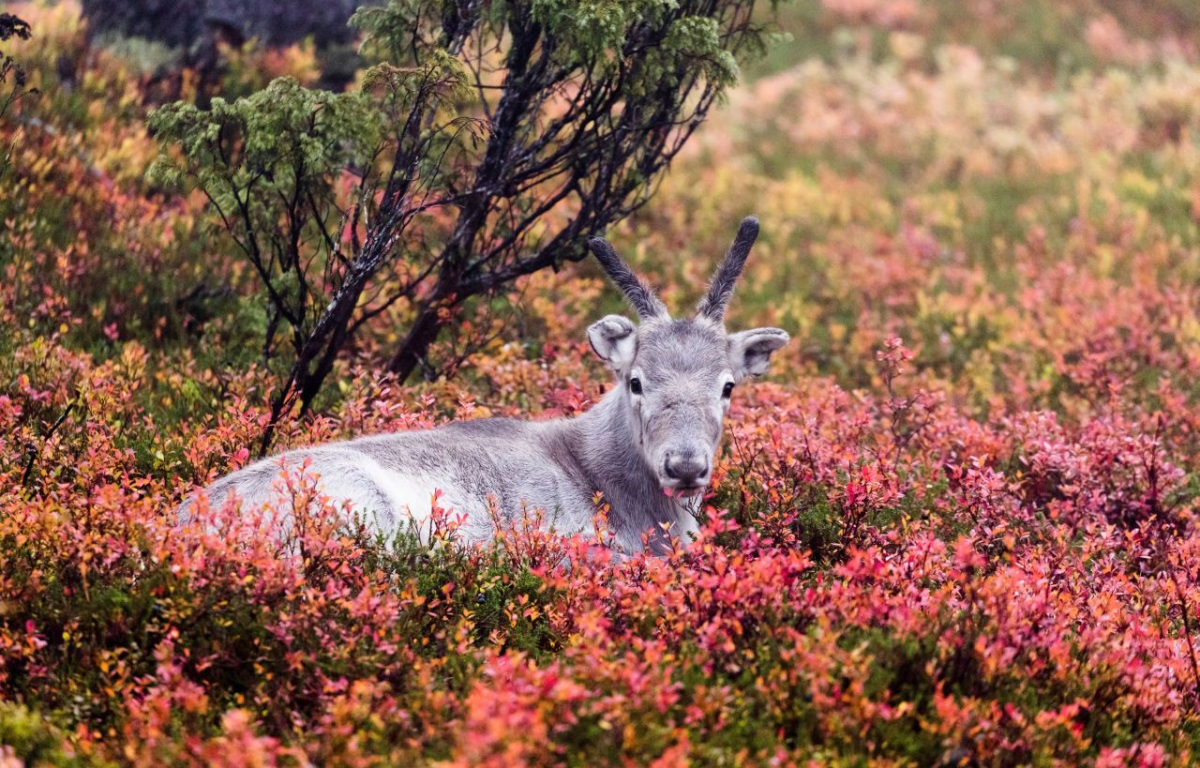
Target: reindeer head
(678, 375)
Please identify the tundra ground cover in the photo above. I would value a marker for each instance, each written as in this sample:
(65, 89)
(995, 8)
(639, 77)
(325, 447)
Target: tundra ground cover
(957, 527)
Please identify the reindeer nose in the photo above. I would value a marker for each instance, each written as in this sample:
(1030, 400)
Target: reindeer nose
(686, 467)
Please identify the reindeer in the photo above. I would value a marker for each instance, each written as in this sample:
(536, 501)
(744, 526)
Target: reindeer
(648, 446)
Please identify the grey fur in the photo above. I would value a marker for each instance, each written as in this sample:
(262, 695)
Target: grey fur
(648, 447)
(725, 278)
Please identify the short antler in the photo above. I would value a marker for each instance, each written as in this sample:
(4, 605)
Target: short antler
(720, 289)
(639, 294)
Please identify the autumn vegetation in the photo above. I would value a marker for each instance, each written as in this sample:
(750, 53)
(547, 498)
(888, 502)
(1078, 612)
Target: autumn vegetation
(956, 527)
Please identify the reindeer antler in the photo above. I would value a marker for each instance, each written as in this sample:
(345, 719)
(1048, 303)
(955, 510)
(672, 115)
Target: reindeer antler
(640, 295)
(720, 289)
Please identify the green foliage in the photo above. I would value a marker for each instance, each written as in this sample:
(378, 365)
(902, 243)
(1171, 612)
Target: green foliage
(594, 34)
(29, 738)
(594, 29)
(283, 141)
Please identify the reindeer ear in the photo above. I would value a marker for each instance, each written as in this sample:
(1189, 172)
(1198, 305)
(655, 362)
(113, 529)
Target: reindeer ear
(613, 340)
(750, 351)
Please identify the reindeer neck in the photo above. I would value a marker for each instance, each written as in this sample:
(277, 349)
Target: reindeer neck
(603, 444)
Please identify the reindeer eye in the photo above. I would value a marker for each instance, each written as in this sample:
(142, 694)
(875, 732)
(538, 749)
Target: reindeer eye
(635, 386)
(727, 392)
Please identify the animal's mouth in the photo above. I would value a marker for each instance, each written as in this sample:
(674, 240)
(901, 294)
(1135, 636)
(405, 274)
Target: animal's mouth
(676, 490)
